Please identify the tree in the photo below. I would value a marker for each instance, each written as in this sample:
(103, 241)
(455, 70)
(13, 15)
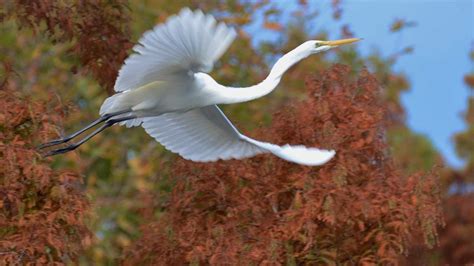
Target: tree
(42, 210)
(137, 182)
(358, 208)
(456, 245)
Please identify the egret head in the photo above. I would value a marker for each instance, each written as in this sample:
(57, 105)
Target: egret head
(317, 46)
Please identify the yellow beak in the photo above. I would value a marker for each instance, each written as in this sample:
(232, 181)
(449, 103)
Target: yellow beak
(340, 42)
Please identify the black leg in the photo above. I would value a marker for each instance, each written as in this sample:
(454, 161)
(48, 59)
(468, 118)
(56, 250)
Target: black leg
(79, 132)
(73, 146)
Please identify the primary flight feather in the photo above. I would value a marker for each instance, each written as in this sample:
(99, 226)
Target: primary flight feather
(164, 87)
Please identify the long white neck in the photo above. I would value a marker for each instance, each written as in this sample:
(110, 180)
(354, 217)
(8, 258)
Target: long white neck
(229, 95)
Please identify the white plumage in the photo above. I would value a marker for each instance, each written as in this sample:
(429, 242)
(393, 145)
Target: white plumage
(190, 41)
(163, 86)
(202, 134)
(186, 44)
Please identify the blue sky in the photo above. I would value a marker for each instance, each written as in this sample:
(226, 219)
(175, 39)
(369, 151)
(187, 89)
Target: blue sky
(442, 40)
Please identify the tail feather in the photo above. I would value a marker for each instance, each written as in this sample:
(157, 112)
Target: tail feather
(109, 105)
(115, 103)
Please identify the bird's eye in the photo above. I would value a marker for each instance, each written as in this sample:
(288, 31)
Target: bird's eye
(318, 44)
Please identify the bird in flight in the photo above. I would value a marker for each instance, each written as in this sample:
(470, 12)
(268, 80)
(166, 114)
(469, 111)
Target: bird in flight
(164, 87)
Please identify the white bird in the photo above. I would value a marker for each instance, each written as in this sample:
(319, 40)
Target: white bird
(164, 87)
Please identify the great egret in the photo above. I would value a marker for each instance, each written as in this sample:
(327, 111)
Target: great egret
(164, 87)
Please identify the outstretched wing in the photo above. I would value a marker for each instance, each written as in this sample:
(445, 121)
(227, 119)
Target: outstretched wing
(189, 41)
(205, 134)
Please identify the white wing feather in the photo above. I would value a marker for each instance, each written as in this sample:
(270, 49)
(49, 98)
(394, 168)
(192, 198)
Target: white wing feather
(189, 41)
(205, 134)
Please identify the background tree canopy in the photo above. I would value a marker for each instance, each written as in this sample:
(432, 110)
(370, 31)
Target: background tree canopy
(121, 198)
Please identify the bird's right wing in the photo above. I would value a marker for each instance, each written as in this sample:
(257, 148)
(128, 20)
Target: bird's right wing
(187, 42)
(201, 134)
(205, 134)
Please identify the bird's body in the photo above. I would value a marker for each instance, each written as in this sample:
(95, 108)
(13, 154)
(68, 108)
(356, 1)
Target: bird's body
(164, 87)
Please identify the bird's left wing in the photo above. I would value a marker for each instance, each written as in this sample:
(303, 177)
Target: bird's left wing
(205, 134)
(189, 41)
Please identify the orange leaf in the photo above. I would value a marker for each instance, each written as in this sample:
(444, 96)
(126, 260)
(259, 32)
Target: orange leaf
(272, 26)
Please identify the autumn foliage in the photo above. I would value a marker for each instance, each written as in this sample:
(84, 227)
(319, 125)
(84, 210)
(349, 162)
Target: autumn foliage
(456, 241)
(358, 208)
(42, 211)
(98, 27)
(456, 238)
(375, 203)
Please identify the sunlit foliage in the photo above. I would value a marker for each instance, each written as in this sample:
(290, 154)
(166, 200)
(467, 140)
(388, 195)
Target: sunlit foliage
(60, 58)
